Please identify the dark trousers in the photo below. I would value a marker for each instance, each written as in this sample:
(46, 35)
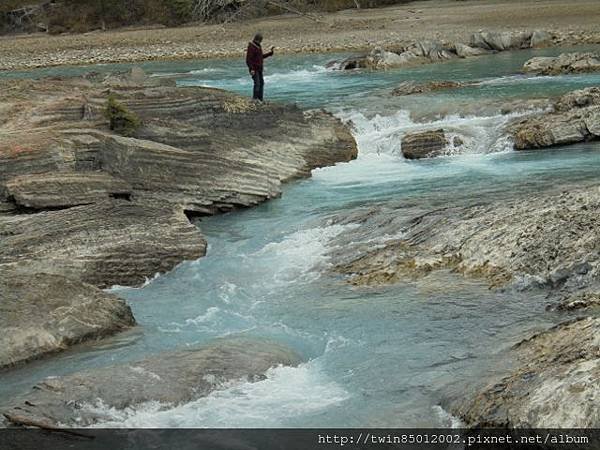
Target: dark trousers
(259, 85)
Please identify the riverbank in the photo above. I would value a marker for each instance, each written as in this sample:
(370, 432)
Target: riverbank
(571, 23)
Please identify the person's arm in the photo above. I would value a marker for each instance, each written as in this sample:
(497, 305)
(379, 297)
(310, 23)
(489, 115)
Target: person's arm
(269, 54)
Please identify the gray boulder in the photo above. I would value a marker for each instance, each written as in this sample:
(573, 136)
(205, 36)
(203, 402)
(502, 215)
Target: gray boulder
(43, 314)
(351, 63)
(466, 51)
(501, 41)
(432, 50)
(171, 379)
(576, 119)
(424, 144)
(540, 38)
(382, 59)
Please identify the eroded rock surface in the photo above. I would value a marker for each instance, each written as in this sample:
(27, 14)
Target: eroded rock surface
(83, 204)
(122, 199)
(554, 386)
(103, 244)
(171, 379)
(412, 87)
(431, 51)
(42, 313)
(563, 64)
(547, 240)
(575, 118)
(425, 144)
(577, 302)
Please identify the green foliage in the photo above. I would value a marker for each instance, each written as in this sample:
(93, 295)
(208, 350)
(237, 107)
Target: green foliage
(121, 120)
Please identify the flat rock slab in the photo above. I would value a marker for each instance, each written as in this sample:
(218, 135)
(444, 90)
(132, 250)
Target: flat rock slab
(563, 64)
(548, 240)
(59, 190)
(412, 87)
(108, 243)
(42, 314)
(555, 385)
(170, 379)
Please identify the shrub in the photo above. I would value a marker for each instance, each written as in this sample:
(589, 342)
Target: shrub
(121, 120)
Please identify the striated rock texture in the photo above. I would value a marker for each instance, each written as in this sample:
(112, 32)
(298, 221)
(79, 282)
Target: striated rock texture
(170, 379)
(428, 51)
(411, 87)
(501, 41)
(579, 301)
(42, 314)
(122, 199)
(88, 208)
(575, 118)
(546, 240)
(554, 386)
(564, 63)
(425, 144)
(103, 244)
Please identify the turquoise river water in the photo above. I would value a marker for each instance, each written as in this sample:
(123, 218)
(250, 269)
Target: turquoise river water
(385, 356)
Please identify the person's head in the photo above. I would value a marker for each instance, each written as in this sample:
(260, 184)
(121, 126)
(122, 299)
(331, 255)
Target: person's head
(258, 38)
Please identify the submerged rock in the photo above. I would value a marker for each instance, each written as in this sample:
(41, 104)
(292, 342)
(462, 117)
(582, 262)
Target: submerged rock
(169, 379)
(412, 87)
(576, 118)
(554, 386)
(425, 144)
(564, 63)
(43, 314)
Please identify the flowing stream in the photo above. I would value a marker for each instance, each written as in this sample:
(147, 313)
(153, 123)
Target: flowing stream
(384, 356)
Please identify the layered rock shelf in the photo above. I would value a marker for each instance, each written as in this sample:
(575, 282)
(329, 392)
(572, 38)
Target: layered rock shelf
(563, 64)
(575, 118)
(89, 207)
(545, 240)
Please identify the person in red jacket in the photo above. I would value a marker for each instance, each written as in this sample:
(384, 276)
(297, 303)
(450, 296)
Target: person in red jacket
(254, 60)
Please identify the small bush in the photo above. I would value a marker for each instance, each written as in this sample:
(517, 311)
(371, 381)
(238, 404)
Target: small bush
(121, 120)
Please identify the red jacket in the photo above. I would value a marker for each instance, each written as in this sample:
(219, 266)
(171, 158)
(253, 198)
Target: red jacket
(255, 57)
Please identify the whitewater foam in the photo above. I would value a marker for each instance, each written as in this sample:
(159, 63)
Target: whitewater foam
(303, 390)
(382, 134)
(300, 256)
